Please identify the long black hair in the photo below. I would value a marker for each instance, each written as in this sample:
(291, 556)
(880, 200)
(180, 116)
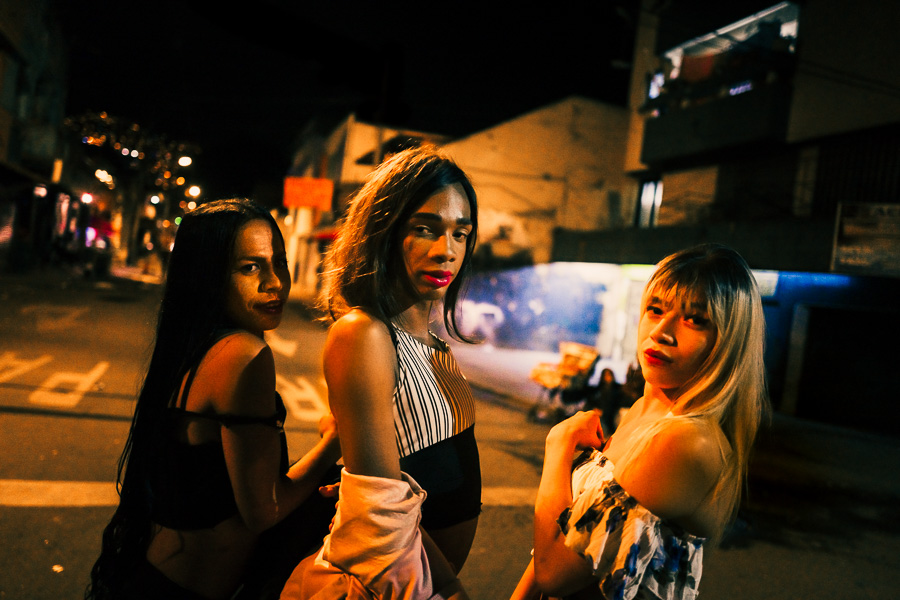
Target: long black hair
(364, 267)
(191, 313)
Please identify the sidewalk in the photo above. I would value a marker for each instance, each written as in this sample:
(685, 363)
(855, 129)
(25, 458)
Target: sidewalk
(65, 276)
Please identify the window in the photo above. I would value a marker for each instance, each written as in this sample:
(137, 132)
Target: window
(648, 209)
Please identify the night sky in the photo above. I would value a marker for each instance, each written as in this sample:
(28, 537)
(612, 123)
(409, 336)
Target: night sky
(244, 83)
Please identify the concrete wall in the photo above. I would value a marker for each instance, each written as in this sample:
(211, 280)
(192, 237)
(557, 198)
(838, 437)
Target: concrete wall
(559, 166)
(688, 196)
(848, 70)
(644, 62)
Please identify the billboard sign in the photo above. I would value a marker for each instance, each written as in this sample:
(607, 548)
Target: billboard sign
(867, 240)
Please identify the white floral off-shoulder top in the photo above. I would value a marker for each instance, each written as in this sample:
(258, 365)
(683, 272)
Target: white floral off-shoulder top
(634, 554)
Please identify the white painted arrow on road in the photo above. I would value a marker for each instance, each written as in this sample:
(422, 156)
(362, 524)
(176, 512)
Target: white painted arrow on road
(301, 398)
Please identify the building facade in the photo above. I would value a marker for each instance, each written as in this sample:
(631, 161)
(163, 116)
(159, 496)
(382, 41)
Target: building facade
(777, 131)
(32, 105)
(559, 166)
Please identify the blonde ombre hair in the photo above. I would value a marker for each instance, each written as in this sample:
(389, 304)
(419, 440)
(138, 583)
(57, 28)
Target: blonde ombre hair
(729, 388)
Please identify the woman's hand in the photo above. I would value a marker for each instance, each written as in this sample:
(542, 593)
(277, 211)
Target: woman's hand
(328, 428)
(328, 431)
(580, 431)
(332, 490)
(558, 571)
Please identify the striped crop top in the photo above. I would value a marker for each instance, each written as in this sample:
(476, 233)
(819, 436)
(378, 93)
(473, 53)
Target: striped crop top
(434, 423)
(432, 401)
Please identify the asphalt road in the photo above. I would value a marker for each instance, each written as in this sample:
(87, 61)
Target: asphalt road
(815, 523)
(71, 356)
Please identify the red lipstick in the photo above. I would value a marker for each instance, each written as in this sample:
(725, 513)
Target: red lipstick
(439, 279)
(274, 308)
(656, 358)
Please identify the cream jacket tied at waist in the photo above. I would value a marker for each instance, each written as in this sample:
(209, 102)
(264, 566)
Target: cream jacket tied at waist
(374, 550)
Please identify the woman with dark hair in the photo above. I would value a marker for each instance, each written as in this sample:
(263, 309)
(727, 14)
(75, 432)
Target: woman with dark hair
(632, 519)
(608, 397)
(205, 468)
(405, 412)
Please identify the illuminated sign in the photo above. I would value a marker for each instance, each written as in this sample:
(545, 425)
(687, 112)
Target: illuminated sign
(308, 191)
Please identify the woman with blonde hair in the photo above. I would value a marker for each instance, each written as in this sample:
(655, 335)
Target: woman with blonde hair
(633, 517)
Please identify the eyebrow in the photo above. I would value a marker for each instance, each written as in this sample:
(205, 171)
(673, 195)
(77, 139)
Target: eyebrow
(435, 217)
(258, 257)
(691, 306)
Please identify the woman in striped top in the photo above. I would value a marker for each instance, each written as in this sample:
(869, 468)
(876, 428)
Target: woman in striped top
(405, 413)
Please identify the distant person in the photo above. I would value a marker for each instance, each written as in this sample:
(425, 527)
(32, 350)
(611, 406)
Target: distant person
(405, 412)
(205, 471)
(633, 388)
(633, 518)
(608, 397)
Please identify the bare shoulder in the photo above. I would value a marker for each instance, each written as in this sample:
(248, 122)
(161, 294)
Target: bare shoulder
(359, 347)
(677, 468)
(358, 331)
(360, 371)
(359, 322)
(694, 444)
(240, 346)
(237, 375)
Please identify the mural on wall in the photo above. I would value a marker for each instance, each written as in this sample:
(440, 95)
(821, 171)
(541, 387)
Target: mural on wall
(537, 307)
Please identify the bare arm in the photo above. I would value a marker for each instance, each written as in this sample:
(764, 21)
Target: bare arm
(559, 571)
(360, 364)
(527, 588)
(246, 386)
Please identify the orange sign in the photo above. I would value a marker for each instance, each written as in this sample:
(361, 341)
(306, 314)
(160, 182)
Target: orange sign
(308, 191)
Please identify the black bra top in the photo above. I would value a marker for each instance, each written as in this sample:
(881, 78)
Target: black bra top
(189, 483)
(450, 471)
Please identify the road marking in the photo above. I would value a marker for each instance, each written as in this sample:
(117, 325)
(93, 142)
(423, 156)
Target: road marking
(32, 493)
(280, 345)
(301, 399)
(11, 367)
(28, 493)
(48, 395)
(52, 317)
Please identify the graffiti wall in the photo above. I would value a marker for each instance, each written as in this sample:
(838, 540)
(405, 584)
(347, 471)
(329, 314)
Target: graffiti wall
(537, 307)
